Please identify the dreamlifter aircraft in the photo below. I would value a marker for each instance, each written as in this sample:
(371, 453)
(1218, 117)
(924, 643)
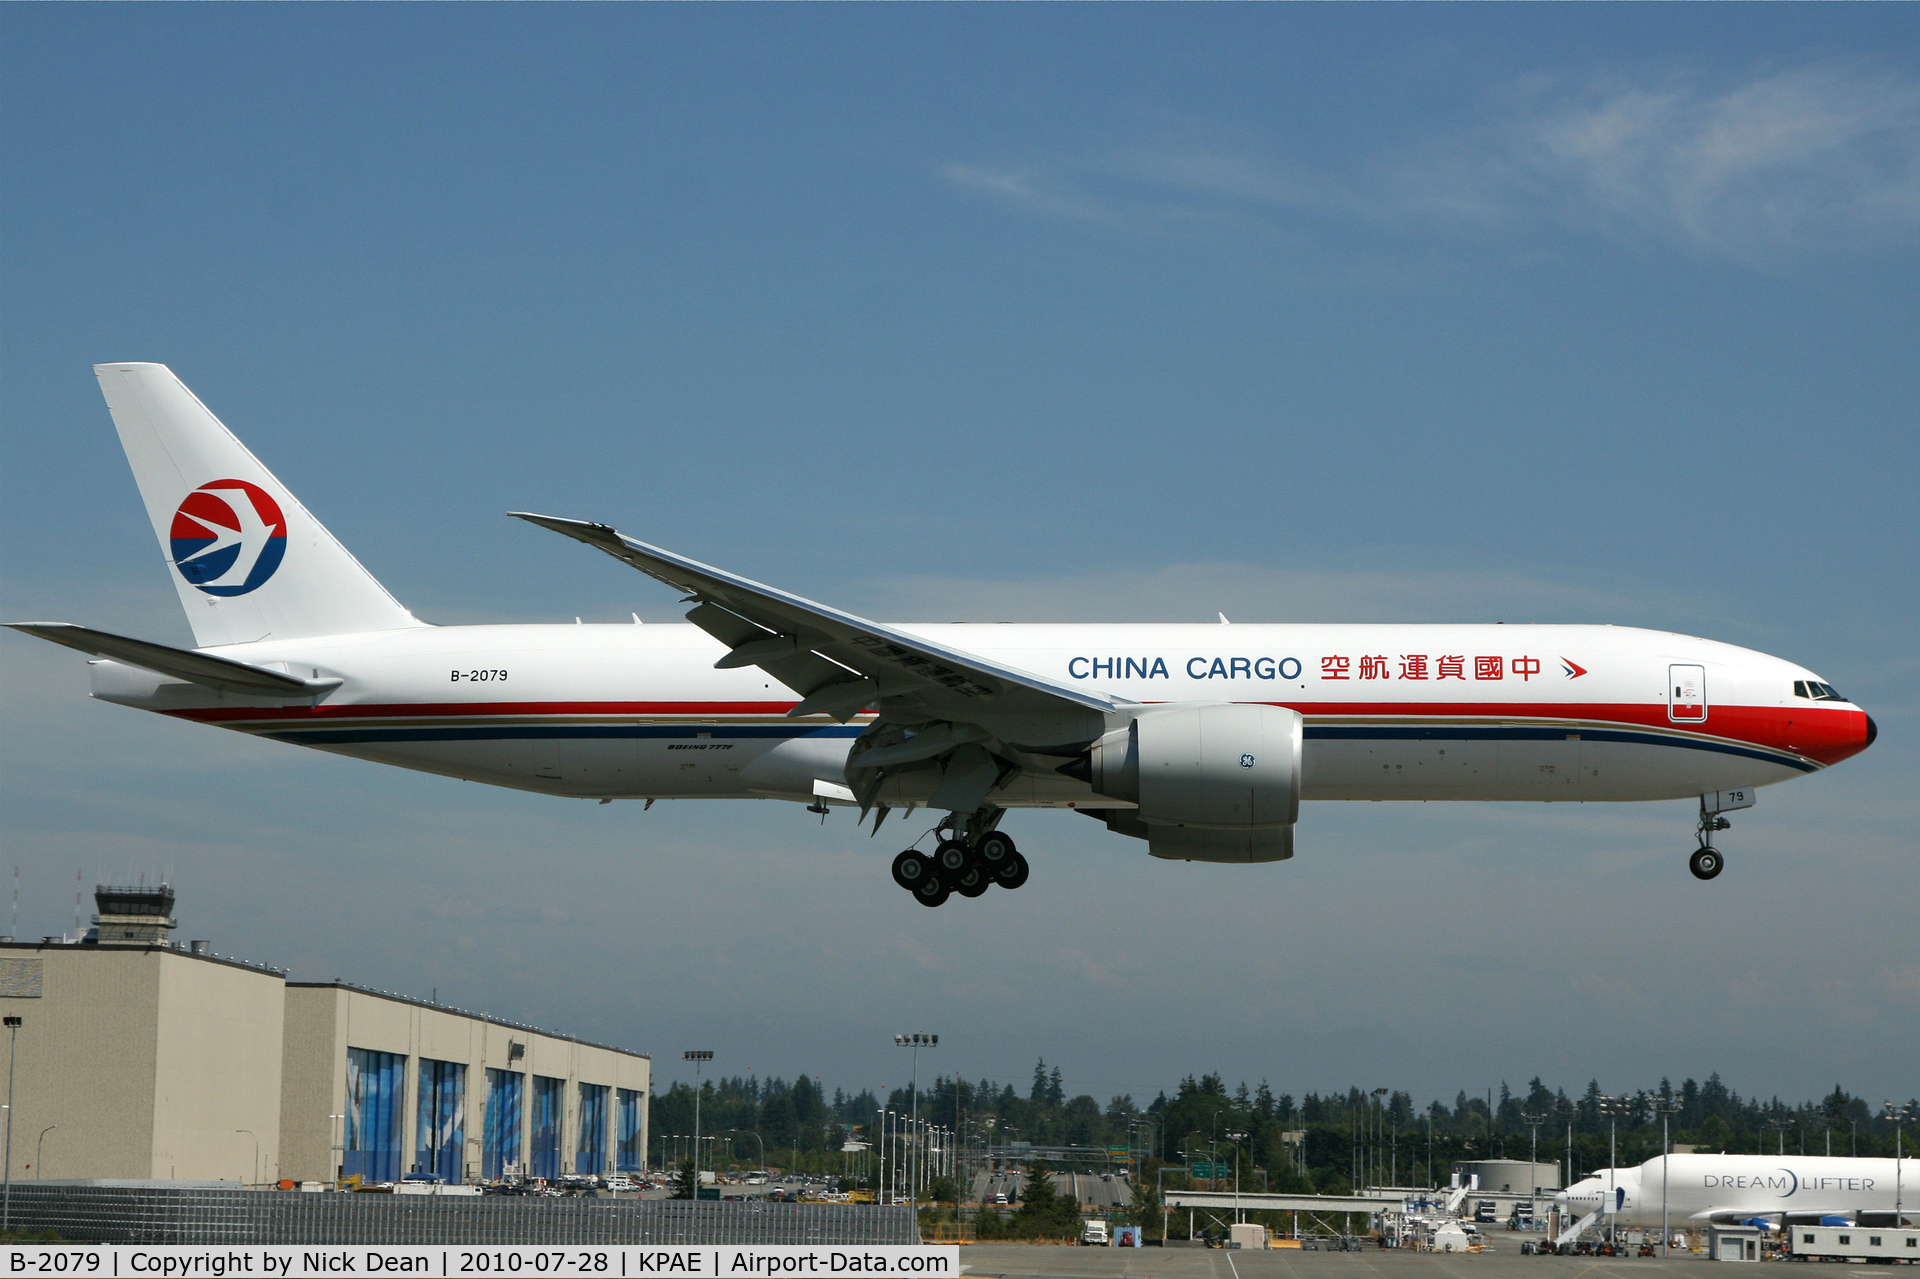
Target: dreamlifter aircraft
(1201, 740)
(1703, 1188)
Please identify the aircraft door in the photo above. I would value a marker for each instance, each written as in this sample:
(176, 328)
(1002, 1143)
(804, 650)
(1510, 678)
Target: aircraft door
(1687, 694)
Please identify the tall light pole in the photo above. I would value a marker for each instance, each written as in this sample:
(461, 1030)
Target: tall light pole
(1668, 1107)
(698, 1056)
(1900, 1115)
(915, 1042)
(256, 1152)
(1378, 1093)
(1212, 1154)
(6, 1197)
(39, 1152)
(757, 1137)
(1236, 1138)
(1613, 1108)
(1391, 1117)
(1567, 1174)
(1533, 1122)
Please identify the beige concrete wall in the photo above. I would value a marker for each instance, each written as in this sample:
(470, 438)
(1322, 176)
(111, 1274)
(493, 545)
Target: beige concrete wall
(308, 1131)
(217, 1071)
(86, 1063)
(148, 1060)
(151, 1061)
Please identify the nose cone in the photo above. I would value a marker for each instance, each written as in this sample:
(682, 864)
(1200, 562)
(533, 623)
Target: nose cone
(1873, 731)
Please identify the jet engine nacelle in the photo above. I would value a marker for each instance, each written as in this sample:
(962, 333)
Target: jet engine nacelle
(1218, 782)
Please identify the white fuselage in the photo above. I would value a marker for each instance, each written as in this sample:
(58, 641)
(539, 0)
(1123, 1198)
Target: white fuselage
(1742, 1186)
(1391, 712)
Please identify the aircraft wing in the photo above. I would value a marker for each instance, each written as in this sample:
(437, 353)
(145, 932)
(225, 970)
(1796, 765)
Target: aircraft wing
(837, 662)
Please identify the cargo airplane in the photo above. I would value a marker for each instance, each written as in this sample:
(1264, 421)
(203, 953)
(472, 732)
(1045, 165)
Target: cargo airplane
(1722, 1188)
(1200, 740)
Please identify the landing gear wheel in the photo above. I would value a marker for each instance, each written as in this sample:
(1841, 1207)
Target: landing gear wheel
(1011, 873)
(994, 849)
(974, 882)
(1706, 862)
(953, 859)
(932, 892)
(912, 869)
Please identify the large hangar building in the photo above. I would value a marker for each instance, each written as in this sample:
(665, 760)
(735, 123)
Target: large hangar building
(138, 1058)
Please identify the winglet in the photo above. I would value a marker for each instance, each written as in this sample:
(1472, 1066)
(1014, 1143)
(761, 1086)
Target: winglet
(606, 538)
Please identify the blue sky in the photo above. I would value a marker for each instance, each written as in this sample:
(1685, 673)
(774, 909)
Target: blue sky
(1556, 313)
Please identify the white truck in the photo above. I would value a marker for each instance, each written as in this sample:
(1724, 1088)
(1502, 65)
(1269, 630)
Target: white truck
(1094, 1234)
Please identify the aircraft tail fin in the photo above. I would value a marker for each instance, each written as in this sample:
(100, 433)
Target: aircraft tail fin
(249, 561)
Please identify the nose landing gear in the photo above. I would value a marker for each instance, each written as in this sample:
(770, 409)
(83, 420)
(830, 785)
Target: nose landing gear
(1708, 861)
(967, 865)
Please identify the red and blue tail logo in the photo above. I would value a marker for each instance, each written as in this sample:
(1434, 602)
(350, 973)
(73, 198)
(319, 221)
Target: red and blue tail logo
(228, 537)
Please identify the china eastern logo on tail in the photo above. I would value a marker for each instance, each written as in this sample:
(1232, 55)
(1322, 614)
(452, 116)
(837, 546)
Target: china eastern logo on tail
(228, 537)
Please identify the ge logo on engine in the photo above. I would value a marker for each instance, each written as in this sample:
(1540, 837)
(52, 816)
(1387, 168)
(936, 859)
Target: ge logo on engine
(1246, 761)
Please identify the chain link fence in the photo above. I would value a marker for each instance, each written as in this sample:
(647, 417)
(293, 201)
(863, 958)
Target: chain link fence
(162, 1215)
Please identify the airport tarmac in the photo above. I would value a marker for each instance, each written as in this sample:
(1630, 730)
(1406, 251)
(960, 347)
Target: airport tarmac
(1026, 1261)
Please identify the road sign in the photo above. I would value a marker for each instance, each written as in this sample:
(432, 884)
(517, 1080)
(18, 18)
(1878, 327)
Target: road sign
(1121, 1153)
(1207, 1171)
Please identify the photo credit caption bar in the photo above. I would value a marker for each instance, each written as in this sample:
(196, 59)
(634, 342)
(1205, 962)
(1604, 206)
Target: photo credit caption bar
(451, 1262)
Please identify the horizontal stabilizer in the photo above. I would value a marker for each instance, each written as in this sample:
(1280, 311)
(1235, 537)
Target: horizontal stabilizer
(221, 674)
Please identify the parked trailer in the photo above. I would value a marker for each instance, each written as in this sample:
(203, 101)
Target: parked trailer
(1855, 1243)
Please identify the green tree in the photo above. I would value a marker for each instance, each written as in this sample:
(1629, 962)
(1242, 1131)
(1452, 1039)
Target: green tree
(689, 1179)
(1044, 1213)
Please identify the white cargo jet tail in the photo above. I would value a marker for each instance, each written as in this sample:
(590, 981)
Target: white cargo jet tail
(249, 561)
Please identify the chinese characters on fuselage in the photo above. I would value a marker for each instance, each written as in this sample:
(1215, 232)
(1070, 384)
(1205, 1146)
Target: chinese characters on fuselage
(1423, 666)
(1368, 666)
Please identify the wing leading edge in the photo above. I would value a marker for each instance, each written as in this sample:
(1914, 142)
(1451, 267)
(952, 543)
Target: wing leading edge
(937, 706)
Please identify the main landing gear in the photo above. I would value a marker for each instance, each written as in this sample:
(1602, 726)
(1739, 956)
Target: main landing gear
(1708, 861)
(958, 866)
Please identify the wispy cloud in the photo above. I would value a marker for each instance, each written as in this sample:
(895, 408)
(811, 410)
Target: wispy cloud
(1031, 189)
(1813, 157)
(1806, 159)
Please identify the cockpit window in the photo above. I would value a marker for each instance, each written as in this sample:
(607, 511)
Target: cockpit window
(1814, 689)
